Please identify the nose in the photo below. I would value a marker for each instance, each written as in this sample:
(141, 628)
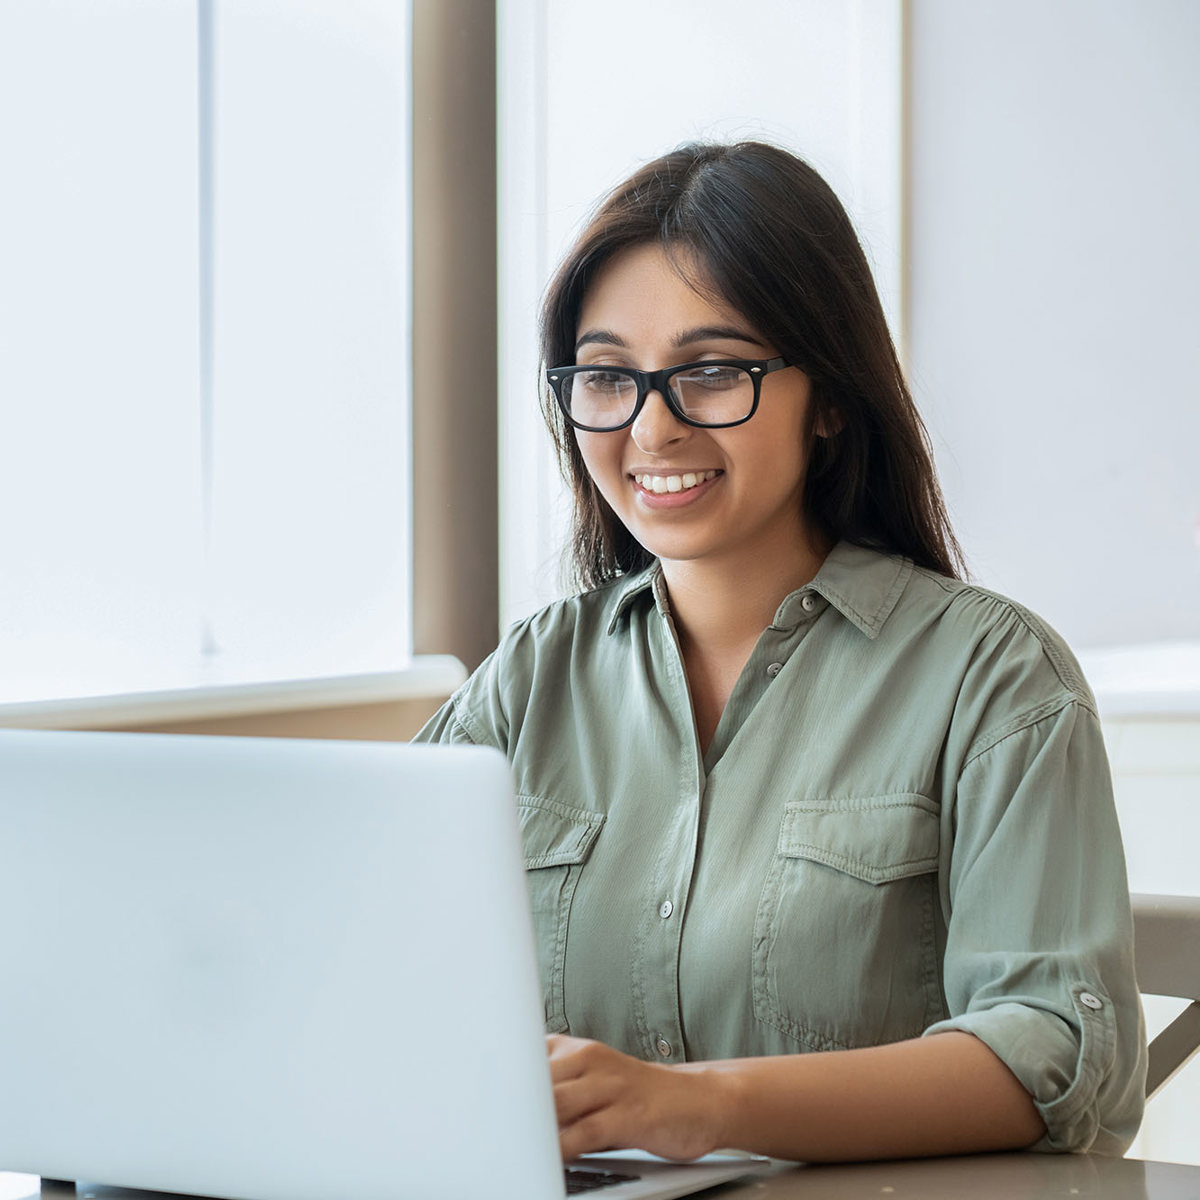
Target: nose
(656, 426)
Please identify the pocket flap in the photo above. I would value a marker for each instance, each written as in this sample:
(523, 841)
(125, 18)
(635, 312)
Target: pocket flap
(873, 838)
(555, 834)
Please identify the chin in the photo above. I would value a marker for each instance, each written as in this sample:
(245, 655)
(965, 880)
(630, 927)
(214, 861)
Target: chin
(676, 551)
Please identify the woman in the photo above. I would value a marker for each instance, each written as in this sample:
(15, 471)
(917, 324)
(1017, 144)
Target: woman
(820, 839)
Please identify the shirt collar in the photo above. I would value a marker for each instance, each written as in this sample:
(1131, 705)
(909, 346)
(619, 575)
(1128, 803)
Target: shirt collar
(863, 585)
(650, 580)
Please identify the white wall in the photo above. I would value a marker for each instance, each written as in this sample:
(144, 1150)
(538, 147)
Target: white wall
(1055, 301)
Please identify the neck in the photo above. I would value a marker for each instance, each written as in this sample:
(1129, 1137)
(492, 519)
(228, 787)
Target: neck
(719, 607)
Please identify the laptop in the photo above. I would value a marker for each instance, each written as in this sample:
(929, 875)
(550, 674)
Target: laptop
(276, 970)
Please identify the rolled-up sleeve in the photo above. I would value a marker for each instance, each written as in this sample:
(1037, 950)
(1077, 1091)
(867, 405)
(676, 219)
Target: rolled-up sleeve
(1039, 938)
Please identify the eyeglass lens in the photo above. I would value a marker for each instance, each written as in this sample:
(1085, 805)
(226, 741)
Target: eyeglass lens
(710, 395)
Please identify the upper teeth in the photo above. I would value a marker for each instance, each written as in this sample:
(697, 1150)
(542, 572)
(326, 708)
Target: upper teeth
(674, 483)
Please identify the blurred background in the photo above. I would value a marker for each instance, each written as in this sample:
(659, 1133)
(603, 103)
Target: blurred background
(269, 277)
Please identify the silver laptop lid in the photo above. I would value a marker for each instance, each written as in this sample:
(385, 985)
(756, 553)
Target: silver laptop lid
(268, 969)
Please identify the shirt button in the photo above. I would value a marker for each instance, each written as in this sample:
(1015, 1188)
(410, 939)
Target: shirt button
(1090, 1001)
(808, 602)
(774, 670)
(665, 909)
(663, 1047)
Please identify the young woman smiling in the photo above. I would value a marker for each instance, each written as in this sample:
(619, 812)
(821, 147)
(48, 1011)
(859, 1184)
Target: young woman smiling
(820, 838)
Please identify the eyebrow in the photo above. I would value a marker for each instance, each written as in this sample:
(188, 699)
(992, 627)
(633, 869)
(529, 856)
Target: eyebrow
(688, 337)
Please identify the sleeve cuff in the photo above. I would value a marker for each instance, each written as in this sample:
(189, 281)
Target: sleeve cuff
(1062, 1062)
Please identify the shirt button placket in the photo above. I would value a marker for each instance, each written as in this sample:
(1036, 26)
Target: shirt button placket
(663, 1032)
(659, 1015)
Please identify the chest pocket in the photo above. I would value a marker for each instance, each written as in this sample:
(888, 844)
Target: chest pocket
(844, 941)
(557, 840)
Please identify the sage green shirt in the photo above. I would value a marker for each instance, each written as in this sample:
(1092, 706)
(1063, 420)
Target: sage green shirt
(904, 824)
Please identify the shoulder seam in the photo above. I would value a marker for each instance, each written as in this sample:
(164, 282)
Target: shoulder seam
(1018, 724)
(1067, 674)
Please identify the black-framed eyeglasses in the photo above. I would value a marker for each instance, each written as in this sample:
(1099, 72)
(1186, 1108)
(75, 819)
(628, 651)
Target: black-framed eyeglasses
(713, 394)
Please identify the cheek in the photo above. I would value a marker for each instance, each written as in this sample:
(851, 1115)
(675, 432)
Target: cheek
(601, 454)
(772, 450)
(788, 446)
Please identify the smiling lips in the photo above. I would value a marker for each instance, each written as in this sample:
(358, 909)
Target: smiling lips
(661, 484)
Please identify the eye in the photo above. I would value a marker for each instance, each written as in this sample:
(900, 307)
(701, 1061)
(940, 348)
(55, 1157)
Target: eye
(713, 378)
(600, 380)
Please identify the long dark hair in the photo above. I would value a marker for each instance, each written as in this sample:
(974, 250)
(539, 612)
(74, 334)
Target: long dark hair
(775, 243)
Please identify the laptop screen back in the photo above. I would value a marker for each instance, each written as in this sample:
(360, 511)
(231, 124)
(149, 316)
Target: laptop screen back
(267, 969)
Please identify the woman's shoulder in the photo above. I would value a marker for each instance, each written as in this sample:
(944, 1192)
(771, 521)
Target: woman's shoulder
(1004, 633)
(540, 651)
(1011, 664)
(888, 595)
(562, 625)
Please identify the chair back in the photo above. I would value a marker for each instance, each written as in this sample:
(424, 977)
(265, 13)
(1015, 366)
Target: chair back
(1167, 961)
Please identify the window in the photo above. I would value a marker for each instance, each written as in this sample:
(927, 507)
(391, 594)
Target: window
(204, 341)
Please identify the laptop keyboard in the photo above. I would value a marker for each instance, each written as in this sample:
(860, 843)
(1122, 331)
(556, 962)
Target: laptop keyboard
(588, 1179)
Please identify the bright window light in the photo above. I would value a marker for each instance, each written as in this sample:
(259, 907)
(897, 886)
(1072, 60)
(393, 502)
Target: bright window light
(204, 341)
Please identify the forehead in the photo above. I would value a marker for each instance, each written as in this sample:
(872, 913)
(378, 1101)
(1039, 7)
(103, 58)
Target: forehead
(648, 291)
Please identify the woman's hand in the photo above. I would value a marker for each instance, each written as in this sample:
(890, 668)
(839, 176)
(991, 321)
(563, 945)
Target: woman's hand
(608, 1100)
